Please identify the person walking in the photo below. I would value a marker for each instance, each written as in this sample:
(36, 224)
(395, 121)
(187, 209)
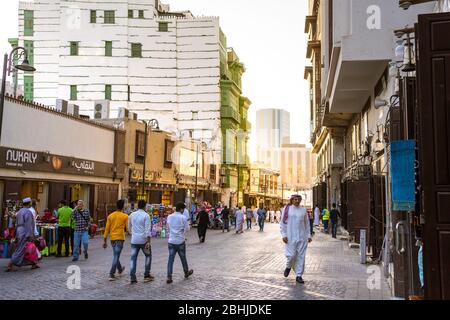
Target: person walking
(261, 217)
(325, 219)
(25, 233)
(334, 219)
(278, 216)
(178, 226)
(203, 221)
(116, 226)
(64, 215)
(249, 216)
(295, 232)
(316, 216)
(82, 219)
(139, 225)
(239, 220)
(311, 221)
(226, 219)
(255, 215)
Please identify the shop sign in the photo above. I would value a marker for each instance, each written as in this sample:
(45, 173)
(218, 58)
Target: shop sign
(84, 166)
(19, 158)
(11, 158)
(149, 175)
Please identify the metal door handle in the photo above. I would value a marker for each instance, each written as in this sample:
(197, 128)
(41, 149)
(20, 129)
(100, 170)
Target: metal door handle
(400, 238)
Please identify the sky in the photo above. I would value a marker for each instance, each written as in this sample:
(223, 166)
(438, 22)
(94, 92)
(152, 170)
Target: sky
(268, 37)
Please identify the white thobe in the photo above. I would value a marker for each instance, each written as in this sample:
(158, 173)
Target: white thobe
(316, 216)
(298, 231)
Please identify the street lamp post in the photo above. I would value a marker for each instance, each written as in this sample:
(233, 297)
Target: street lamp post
(154, 124)
(196, 176)
(7, 64)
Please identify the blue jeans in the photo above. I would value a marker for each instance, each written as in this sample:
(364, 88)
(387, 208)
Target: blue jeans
(134, 253)
(249, 223)
(261, 223)
(334, 229)
(311, 225)
(325, 225)
(173, 250)
(117, 247)
(80, 237)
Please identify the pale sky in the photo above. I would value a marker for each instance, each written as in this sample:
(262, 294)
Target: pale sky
(268, 37)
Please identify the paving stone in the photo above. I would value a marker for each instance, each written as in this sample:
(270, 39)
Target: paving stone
(227, 266)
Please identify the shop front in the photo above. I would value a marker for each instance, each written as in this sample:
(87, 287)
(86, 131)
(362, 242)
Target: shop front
(50, 178)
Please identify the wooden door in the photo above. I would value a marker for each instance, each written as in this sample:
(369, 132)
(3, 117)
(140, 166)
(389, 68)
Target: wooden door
(434, 149)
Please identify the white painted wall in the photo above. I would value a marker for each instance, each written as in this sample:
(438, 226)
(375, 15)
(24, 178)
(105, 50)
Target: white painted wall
(179, 72)
(30, 128)
(358, 42)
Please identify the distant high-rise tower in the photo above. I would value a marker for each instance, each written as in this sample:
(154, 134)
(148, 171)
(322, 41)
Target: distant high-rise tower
(272, 131)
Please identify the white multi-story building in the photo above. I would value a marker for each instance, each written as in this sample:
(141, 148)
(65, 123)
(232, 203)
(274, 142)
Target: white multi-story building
(130, 53)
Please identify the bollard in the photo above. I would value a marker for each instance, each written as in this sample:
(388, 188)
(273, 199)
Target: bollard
(362, 246)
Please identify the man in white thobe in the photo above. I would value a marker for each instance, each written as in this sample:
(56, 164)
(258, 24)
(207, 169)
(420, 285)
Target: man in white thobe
(316, 216)
(296, 233)
(255, 214)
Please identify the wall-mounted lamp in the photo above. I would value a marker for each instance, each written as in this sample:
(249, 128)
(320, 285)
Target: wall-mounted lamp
(379, 103)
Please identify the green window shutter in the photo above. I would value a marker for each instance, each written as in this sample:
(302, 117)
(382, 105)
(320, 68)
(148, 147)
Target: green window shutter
(93, 16)
(28, 22)
(108, 48)
(108, 92)
(163, 26)
(73, 48)
(141, 14)
(28, 83)
(109, 16)
(73, 93)
(130, 14)
(29, 46)
(136, 50)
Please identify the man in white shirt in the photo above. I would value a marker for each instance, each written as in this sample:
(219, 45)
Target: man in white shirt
(35, 214)
(296, 234)
(140, 227)
(178, 227)
(186, 214)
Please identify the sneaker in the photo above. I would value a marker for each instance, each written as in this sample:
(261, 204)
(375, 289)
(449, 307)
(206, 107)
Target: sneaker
(85, 255)
(287, 272)
(169, 280)
(149, 278)
(133, 281)
(122, 270)
(75, 259)
(300, 280)
(112, 278)
(189, 273)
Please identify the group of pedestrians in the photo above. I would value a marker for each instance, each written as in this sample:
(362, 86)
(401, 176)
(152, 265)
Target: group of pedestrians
(330, 219)
(139, 225)
(73, 226)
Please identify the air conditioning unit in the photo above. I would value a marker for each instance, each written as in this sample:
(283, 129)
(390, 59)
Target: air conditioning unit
(61, 105)
(124, 113)
(223, 171)
(223, 180)
(73, 109)
(101, 109)
(133, 116)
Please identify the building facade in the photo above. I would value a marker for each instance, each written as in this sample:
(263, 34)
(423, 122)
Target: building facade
(363, 70)
(41, 158)
(160, 64)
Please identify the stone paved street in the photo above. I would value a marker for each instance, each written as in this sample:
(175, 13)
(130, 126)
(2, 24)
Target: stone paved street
(227, 266)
